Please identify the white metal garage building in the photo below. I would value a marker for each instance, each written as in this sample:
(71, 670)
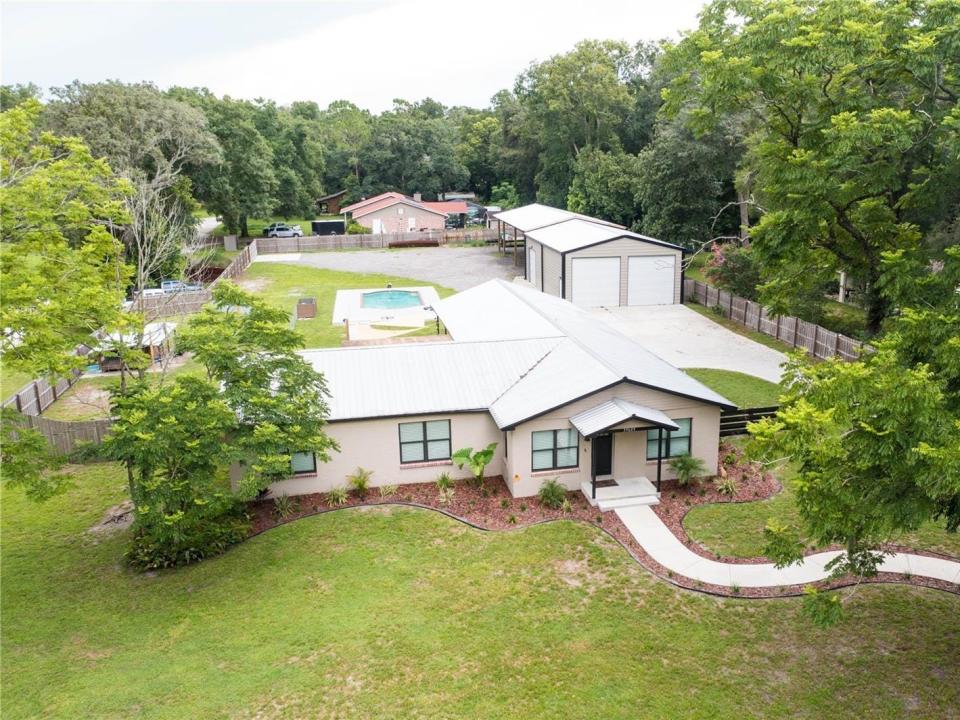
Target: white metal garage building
(594, 263)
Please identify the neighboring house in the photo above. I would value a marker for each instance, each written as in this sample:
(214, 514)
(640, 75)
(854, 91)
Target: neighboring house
(594, 263)
(330, 204)
(562, 394)
(392, 212)
(157, 341)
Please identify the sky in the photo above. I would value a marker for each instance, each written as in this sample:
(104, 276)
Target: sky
(365, 51)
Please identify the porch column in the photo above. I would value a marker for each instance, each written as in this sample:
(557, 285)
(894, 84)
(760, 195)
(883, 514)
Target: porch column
(593, 474)
(659, 455)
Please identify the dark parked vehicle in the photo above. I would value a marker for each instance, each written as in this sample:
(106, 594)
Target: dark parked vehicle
(328, 227)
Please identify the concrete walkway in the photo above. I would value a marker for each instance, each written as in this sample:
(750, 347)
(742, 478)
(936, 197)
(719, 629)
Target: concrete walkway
(664, 547)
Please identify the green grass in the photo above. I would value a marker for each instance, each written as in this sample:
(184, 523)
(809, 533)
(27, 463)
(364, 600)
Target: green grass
(736, 327)
(282, 285)
(399, 612)
(255, 226)
(695, 270)
(737, 528)
(745, 390)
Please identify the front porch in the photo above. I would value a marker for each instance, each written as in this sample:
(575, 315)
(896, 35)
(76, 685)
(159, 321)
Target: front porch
(625, 492)
(618, 432)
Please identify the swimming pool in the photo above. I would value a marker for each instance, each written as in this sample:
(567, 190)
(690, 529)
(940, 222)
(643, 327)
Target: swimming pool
(391, 299)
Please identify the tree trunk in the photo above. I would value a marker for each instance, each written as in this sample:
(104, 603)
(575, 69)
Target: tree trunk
(742, 203)
(877, 305)
(244, 232)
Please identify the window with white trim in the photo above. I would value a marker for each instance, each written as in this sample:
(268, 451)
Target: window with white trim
(675, 442)
(302, 463)
(554, 449)
(424, 441)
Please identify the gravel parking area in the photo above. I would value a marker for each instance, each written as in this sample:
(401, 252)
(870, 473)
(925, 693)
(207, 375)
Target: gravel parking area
(459, 268)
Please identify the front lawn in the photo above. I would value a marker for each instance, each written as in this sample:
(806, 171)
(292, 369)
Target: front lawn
(737, 528)
(398, 612)
(282, 285)
(745, 390)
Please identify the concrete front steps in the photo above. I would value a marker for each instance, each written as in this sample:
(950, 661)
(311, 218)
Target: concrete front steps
(628, 492)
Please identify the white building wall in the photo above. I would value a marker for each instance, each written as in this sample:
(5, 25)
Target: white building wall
(624, 248)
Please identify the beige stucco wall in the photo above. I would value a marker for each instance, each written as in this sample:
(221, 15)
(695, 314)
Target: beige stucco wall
(394, 222)
(629, 449)
(624, 249)
(375, 445)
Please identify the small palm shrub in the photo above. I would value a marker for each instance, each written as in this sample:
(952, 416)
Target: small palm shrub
(687, 468)
(359, 481)
(284, 506)
(388, 490)
(445, 495)
(337, 497)
(566, 506)
(444, 482)
(552, 494)
(505, 503)
(726, 486)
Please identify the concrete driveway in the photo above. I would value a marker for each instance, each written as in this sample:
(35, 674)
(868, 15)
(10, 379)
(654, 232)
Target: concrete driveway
(459, 268)
(687, 339)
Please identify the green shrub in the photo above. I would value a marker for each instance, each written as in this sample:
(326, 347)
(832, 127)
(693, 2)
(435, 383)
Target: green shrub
(566, 506)
(359, 481)
(505, 503)
(444, 482)
(209, 537)
(355, 228)
(687, 468)
(726, 486)
(284, 506)
(388, 490)
(512, 519)
(337, 496)
(552, 494)
(477, 461)
(445, 495)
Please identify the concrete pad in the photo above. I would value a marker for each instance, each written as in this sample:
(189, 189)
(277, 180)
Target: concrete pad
(687, 339)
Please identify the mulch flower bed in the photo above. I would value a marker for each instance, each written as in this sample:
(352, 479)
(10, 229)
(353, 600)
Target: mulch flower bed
(492, 507)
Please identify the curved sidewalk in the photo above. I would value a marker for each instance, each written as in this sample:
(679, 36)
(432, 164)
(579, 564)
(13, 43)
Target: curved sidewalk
(664, 547)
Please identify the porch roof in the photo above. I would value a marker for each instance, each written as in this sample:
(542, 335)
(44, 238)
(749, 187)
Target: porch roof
(616, 411)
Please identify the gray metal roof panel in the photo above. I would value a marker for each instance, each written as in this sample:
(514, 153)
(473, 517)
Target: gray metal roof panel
(616, 411)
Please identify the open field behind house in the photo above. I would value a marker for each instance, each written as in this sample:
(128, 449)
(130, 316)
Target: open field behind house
(400, 612)
(282, 285)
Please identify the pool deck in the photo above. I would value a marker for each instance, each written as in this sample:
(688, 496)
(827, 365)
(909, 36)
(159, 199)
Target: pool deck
(349, 306)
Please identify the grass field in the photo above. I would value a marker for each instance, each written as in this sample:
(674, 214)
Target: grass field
(405, 613)
(255, 226)
(737, 528)
(745, 390)
(282, 285)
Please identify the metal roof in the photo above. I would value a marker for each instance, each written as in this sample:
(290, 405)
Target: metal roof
(533, 216)
(577, 233)
(615, 412)
(591, 355)
(422, 378)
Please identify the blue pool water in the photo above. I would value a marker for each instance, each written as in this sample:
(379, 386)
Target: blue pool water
(391, 299)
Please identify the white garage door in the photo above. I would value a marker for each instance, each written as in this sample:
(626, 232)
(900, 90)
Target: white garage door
(596, 282)
(651, 279)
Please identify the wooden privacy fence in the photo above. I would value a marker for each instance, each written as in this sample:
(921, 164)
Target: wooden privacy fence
(816, 340)
(734, 422)
(35, 397)
(65, 437)
(320, 243)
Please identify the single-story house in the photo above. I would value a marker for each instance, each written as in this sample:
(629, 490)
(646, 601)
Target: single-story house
(330, 204)
(393, 212)
(594, 263)
(563, 396)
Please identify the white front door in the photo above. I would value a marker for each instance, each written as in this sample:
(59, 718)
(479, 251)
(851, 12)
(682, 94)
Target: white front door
(651, 279)
(377, 226)
(532, 266)
(596, 282)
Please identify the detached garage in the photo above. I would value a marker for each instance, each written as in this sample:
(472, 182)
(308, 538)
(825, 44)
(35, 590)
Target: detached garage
(597, 265)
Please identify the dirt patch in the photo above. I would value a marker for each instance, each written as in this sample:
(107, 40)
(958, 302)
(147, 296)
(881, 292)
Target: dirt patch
(85, 401)
(253, 285)
(117, 518)
(580, 574)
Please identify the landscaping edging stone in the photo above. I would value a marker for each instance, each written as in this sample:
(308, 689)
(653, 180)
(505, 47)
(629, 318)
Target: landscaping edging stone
(482, 509)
